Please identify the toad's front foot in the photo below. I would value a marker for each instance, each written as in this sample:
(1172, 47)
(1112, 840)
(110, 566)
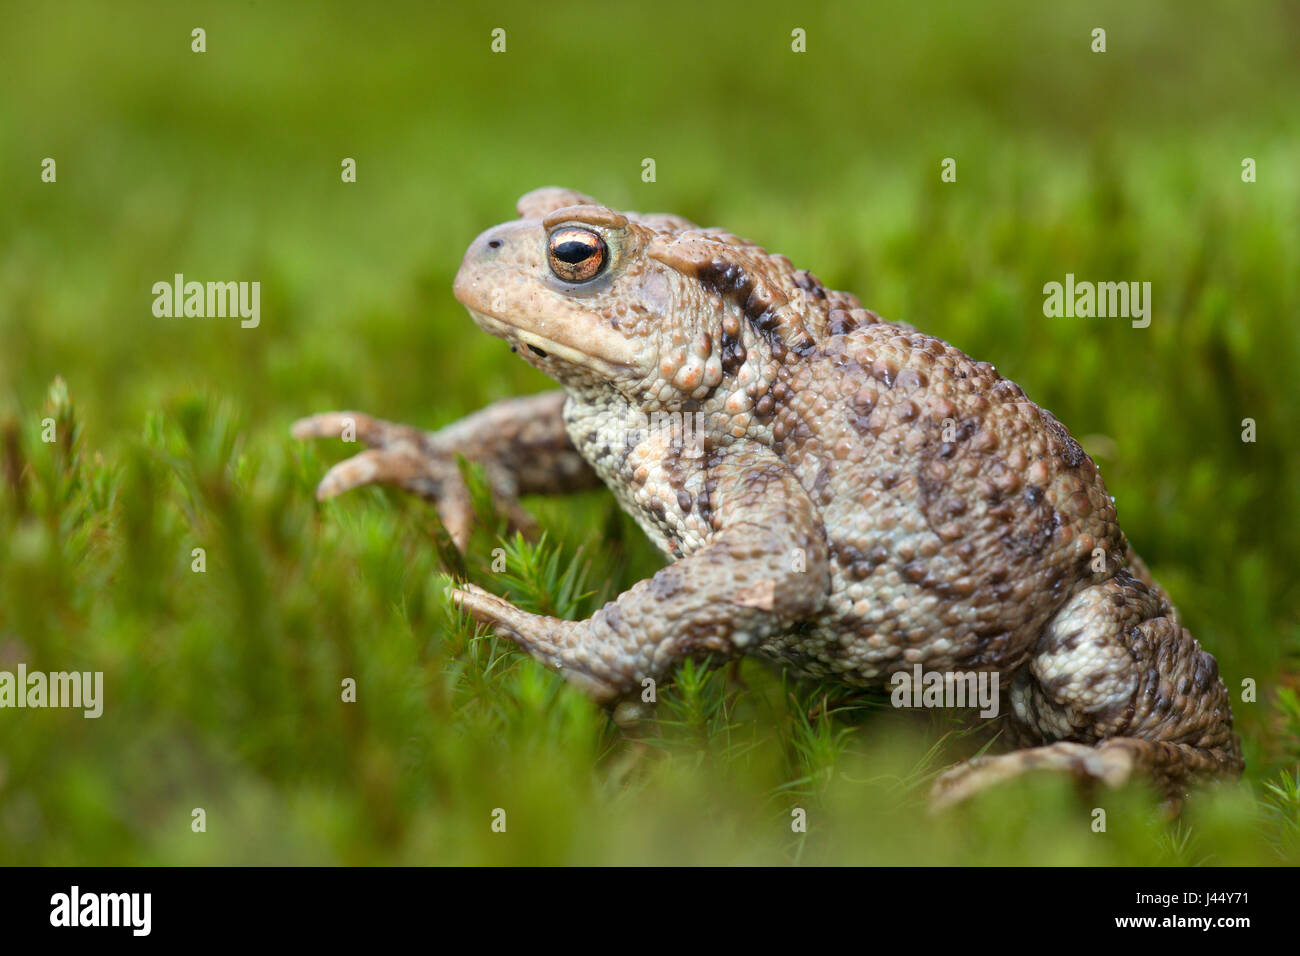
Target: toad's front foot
(521, 444)
(558, 643)
(398, 455)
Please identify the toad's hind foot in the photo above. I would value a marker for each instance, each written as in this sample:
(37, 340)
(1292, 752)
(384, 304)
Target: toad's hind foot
(1120, 686)
(1112, 762)
(1109, 765)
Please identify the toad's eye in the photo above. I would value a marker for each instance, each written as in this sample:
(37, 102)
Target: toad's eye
(576, 255)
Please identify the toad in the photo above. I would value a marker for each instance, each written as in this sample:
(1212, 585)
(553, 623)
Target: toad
(841, 494)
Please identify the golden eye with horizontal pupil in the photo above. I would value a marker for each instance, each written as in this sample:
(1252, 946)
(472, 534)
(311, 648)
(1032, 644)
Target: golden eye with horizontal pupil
(576, 255)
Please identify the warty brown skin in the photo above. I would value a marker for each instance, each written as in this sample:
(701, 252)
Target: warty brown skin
(844, 495)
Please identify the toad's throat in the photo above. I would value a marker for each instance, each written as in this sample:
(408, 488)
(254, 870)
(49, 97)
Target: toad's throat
(545, 347)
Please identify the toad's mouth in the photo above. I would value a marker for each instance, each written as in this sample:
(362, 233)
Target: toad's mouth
(545, 348)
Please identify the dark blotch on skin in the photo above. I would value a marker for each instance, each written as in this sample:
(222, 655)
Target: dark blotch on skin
(732, 283)
(821, 485)
(1040, 522)
(763, 322)
(841, 322)
(665, 586)
(612, 615)
(857, 564)
(733, 355)
(1070, 451)
(910, 378)
(1071, 642)
(810, 283)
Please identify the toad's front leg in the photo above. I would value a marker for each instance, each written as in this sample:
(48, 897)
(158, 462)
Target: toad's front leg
(521, 443)
(764, 569)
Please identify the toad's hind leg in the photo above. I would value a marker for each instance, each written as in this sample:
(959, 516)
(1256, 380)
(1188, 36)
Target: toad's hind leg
(1119, 685)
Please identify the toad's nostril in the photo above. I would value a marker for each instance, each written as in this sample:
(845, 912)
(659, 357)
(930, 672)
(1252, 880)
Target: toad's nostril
(494, 244)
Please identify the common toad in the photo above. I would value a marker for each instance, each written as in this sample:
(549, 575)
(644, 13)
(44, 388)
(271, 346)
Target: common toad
(845, 495)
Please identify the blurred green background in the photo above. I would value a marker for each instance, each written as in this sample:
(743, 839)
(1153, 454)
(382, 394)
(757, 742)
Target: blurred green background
(223, 688)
